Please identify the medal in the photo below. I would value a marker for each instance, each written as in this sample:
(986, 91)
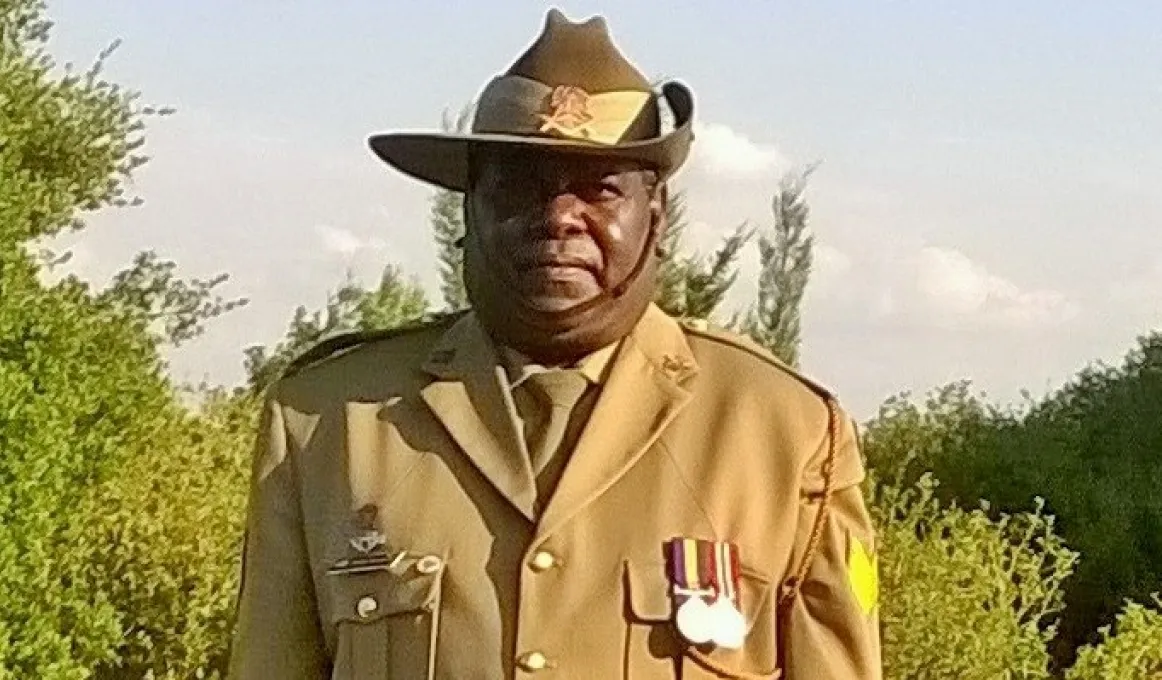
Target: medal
(729, 623)
(695, 620)
(704, 586)
(689, 587)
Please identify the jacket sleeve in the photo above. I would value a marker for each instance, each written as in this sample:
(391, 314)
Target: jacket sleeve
(831, 628)
(277, 634)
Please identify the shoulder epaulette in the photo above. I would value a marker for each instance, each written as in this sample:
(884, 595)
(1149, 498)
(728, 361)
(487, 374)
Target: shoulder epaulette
(341, 343)
(709, 331)
(789, 589)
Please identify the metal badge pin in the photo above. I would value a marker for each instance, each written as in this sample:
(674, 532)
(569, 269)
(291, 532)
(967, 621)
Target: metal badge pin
(367, 542)
(370, 537)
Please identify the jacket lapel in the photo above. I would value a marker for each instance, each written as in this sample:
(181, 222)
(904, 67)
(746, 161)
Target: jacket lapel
(643, 394)
(469, 398)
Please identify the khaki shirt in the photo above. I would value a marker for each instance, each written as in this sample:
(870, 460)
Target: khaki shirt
(394, 530)
(594, 368)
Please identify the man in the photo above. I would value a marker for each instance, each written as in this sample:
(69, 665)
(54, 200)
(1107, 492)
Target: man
(563, 482)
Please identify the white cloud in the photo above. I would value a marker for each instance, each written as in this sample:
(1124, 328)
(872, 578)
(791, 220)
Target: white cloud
(884, 304)
(831, 263)
(1142, 287)
(345, 243)
(960, 289)
(721, 151)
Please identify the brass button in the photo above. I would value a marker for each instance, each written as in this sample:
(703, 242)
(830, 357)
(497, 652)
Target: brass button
(429, 564)
(534, 661)
(543, 561)
(367, 606)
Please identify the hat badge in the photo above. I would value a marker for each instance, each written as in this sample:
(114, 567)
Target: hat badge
(568, 112)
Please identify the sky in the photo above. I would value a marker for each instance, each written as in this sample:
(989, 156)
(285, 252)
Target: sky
(986, 205)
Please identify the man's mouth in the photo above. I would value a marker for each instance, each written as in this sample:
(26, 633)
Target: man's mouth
(561, 262)
(548, 260)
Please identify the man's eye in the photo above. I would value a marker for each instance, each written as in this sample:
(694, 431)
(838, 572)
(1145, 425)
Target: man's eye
(503, 202)
(599, 191)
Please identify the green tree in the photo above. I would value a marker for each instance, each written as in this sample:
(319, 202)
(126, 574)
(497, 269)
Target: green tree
(1090, 450)
(395, 301)
(909, 438)
(82, 387)
(966, 593)
(446, 216)
(691, 286)
(785, 258)
(173, 309)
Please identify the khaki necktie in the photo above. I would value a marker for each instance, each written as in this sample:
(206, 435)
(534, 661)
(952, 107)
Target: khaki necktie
(555, 393)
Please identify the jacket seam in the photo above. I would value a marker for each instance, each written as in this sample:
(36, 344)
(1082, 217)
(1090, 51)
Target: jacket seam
(689, 487)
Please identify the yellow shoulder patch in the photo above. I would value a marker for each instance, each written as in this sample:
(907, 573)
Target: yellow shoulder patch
(863, 575)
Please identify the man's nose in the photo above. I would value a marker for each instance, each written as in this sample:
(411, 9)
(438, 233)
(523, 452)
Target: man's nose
(565, 216)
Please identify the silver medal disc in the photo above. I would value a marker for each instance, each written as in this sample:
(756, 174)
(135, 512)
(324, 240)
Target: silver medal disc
(729, 625)
(695, 620)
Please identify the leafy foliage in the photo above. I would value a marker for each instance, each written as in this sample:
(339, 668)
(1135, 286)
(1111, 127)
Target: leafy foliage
(164, 539)
(690, 286)
(66, 142)
(83, 394)
(965, 596)
(151, 291)
(1134, 651)
(81, 390)
(907, 439)
(394, 302)
(1090, 450)
(446, 215)
(785, 257)
(967, 593)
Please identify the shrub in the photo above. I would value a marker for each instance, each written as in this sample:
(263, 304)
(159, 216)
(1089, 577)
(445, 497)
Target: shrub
(166, 537)
(1090, 449)
(1134, 651)
(80, 391)
(81, 385)
(965, 596)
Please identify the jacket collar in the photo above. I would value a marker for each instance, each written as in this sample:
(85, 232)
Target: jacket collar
(645, 380)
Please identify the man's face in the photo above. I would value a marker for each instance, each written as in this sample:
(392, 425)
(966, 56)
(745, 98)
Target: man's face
(554, 232)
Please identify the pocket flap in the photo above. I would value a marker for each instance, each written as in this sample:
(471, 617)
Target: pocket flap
(650, 598)
(412, 585)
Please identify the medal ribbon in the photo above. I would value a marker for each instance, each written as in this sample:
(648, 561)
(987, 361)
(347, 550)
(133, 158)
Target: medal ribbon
(734, 573)
(726, 571)
(692, 566)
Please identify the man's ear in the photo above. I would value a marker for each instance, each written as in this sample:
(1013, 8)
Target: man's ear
(659, 202)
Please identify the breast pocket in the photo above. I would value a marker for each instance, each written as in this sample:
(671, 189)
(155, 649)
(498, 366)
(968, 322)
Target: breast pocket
(655, 648)
(386, 622)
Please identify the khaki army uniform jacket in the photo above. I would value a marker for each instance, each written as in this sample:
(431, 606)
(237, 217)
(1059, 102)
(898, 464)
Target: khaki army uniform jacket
(394, 534)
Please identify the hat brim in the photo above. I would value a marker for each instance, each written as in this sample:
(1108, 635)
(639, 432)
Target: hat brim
(442, 159)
